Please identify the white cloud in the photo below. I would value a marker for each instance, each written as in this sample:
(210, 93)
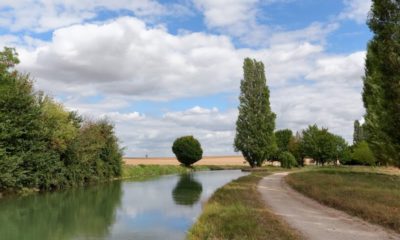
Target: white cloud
(126, 61)
(225, 13)
(43, 15)
(154, 136)
(239, 19)
(339, 69)
(197, 117)
(125, 57)
(356, 10)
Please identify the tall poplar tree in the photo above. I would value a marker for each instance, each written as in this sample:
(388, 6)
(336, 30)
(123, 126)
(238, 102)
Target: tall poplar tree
(256, 122)
(381, 95)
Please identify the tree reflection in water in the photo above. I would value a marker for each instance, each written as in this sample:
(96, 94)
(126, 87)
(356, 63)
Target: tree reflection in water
(73, 214)
(187, 191)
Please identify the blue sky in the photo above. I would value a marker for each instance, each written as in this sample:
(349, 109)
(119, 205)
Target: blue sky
(162, 69)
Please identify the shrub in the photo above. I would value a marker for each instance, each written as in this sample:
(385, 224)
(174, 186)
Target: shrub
(187, 150)
(287, 160)
(362, 154)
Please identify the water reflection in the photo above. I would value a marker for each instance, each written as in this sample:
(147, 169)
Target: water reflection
(115, 211)
(80, 212)
(187, 191)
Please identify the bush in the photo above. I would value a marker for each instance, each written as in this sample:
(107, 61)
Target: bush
(362, 154)
(187, 150)
(287, 160)
(44, 146)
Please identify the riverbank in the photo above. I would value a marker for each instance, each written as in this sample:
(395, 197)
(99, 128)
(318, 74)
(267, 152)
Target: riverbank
(143, 172)
(205, 161)
(363, 192)
(237, 211)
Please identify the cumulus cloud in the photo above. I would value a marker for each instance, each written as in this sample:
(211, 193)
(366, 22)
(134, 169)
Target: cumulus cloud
(240, 19)
(356, 10)
(127, 61)
(203, 118)
(154, 136)
(125, 57)
(42, 15)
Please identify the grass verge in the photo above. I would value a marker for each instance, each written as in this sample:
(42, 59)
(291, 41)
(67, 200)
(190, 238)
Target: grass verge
(372, 196)
(143, 172)
(236, 211)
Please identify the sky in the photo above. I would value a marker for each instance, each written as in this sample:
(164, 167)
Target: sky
(164, 69)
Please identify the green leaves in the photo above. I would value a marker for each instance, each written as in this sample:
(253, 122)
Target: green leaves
(381, 94)
(256, 122)
(187, 150)
(322, 145)
(44, 146)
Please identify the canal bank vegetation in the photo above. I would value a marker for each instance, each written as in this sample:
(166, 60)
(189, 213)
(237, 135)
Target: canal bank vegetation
(237, 211)
(143, 172)
(42, 145)
(364, 192)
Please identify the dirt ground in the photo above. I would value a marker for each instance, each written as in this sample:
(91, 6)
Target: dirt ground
(314, 220)
(224, 160)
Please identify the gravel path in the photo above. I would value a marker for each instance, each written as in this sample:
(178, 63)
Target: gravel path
(314, 220)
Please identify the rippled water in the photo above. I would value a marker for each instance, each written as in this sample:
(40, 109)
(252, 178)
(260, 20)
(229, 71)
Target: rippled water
(162, 208)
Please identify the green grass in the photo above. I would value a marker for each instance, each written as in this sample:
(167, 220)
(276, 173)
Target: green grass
(365, 193)
(236, 211)
(143, 172)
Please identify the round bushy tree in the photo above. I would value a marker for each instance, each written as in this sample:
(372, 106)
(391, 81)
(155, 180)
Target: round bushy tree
(187, 150)
(287, 160)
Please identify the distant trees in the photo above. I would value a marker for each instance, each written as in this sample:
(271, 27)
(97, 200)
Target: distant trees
(381, 94)
(322, 146)
(187, 150)
(256, 122)
(40, 141)
(283, 138)
(359, 132)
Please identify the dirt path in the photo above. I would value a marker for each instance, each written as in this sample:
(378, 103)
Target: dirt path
(314, 220)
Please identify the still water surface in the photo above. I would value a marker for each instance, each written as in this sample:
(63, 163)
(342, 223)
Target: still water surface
(162, 208)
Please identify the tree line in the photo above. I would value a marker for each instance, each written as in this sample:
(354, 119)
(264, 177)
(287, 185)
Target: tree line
(42, 145)
(377, 141)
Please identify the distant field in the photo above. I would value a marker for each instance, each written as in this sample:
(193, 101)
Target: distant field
(224, 160)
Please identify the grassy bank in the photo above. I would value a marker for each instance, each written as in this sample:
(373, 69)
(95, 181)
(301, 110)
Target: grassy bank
(372, 196)
(236, 211)
(141, 172)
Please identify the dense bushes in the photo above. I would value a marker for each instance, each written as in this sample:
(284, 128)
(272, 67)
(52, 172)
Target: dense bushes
(362, 154)
(187, 150)
(44, 146)
(287, 160)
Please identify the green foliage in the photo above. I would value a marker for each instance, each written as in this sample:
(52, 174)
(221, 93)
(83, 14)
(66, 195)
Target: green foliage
(381, 93)
(44, 146)
(187, 150)
(359, 132)
(283, 138)
(237, 211)
(294, 149)
(362, 154)
(187, 191)
(287, 160)
(322, 146)
(256, 122)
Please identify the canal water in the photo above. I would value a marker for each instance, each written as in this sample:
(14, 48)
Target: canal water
(161, 208)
